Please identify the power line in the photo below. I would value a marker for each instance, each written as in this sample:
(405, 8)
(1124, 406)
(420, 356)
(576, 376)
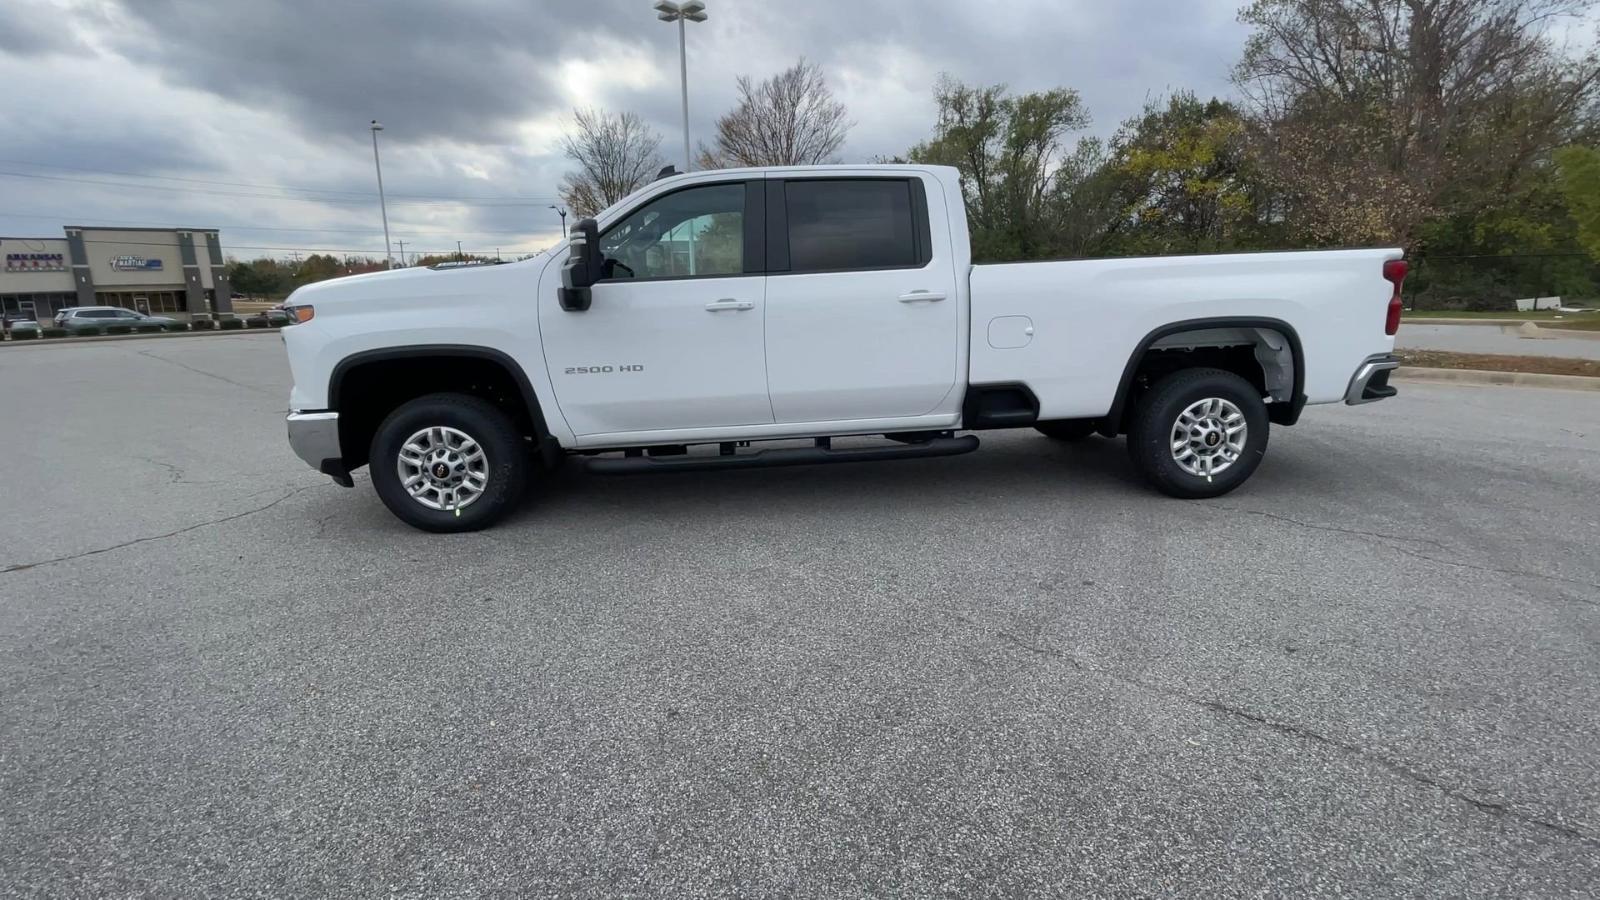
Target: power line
(247, 184)
(347, 200)
(350, 250)
(142, 224)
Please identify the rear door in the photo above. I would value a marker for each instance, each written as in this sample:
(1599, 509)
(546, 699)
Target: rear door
(863, 313)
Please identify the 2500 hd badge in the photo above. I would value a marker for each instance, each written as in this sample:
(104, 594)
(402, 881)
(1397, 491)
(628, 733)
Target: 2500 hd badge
(601, 370)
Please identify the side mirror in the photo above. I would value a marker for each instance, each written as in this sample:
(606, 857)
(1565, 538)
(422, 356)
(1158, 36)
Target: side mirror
(582, 268)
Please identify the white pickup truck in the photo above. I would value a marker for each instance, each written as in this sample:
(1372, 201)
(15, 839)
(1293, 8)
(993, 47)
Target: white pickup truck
(710, 312)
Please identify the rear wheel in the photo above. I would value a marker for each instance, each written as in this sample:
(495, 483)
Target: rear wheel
(1066, 430)
(1198, 433)
(449, 462)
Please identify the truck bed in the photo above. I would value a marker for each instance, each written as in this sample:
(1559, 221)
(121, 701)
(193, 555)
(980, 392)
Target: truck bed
(1088, 317)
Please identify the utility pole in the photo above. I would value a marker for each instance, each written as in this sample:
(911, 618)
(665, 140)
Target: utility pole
(402, 244)
(562, 212)
(459, 257)
(382, 204)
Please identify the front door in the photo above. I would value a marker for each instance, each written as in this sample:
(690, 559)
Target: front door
(863, 315)
(673, 338)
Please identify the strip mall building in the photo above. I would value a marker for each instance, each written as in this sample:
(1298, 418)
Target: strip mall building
(155, 270)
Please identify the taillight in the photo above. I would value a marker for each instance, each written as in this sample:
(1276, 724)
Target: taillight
(1394, 272)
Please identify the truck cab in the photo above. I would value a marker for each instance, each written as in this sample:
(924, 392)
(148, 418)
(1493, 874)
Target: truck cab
(708, 313)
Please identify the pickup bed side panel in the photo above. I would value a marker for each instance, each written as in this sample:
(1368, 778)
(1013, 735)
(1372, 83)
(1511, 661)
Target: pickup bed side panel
(1088, 317)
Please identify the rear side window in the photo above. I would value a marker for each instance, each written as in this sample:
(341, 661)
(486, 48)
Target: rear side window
(850, 224)
(97, 314)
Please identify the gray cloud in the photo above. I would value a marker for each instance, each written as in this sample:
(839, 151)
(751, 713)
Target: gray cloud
(279, 91)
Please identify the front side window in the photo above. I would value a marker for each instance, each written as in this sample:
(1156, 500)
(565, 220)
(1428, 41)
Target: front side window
(850, 224)
(693, 232)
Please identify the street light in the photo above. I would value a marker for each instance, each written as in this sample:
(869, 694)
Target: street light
(382, 204)
(563, 214)
(693, 11)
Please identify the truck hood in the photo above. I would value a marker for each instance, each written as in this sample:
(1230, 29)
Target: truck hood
(396, 287)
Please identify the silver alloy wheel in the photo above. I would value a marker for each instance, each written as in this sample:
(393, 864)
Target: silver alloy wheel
(1208, 437)
(443, 468)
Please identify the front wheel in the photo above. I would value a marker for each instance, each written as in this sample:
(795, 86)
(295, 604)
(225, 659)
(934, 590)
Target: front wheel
(1198, 433)
(448, 462)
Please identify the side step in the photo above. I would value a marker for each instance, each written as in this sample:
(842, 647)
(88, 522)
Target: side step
(787, 456)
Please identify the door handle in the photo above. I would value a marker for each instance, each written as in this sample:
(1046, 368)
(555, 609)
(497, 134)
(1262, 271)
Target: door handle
(730, 303)
(916, 296)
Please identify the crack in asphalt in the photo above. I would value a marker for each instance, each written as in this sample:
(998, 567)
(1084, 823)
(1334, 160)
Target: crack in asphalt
(1289, 729)
(1496, 569)
(150, 355)
(1418, 555)
(22, 567)
(1333, 528)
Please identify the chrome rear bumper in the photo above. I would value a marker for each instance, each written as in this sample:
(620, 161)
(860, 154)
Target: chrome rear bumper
(1371, 380)
(315, 439)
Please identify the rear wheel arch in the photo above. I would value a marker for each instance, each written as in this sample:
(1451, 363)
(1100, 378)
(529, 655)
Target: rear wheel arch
(1286, 412)
(366, 386)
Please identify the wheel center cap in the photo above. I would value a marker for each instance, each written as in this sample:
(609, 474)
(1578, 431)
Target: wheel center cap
(440, 470)
(1213, 439)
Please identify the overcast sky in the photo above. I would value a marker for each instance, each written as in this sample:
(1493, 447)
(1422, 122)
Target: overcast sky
(253, 113)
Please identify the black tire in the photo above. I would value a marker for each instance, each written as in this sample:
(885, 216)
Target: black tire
(1070, 430)
(505, 456)
(1155, 416)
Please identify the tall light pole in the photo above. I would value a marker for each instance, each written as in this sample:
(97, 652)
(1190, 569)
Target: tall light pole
(382, 204)
(562, 212)
(692, 11)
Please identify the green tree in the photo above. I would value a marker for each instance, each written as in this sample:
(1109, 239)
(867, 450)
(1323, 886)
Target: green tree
(1580, 187)
(1187, 178)
(1009, 152)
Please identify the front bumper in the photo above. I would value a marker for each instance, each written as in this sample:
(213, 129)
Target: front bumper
(315, 439)
(1370, 383)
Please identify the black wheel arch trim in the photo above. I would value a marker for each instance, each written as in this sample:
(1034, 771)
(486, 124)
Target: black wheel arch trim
(1278, 414)
(469, 351)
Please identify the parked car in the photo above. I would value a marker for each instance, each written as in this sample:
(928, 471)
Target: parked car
(80, 319)
(17, 325)
(272, 317)
(725, 308)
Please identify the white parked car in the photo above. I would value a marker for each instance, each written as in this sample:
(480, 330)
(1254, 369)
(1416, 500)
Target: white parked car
(712, 311)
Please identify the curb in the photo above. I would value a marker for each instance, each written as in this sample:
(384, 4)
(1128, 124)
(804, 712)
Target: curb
(97, 338)
(1512, 324)
(1504, 379)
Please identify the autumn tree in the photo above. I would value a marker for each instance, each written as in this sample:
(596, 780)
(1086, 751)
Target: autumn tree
(790, 119)
(1378, 114)
(615, 155)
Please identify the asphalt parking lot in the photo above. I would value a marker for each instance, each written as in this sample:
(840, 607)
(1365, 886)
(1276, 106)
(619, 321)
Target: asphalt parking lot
(1372, 670)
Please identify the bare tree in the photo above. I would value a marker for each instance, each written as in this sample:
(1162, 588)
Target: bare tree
(791, 119)
(616, 155)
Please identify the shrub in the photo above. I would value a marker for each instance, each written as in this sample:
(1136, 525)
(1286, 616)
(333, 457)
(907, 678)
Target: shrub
(255, 323)
(54, 332)
(178, 326)
(119, 329)
(148, 329)
(202, 325)
(230, 324)
(24, 334)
